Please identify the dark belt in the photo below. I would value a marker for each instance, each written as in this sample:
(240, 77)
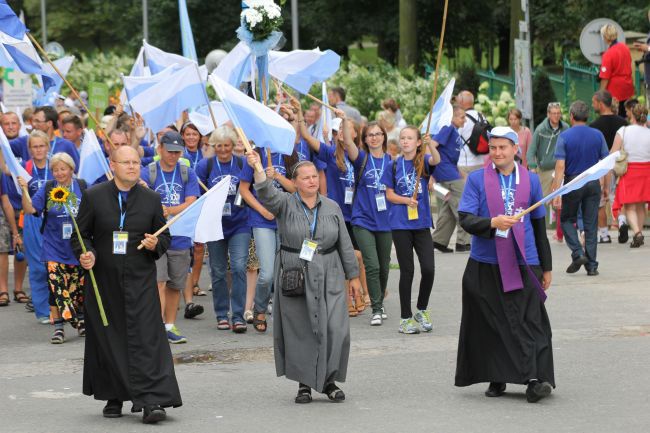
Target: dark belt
(318, 250)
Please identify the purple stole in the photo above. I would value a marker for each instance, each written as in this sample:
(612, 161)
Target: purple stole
(507, 247)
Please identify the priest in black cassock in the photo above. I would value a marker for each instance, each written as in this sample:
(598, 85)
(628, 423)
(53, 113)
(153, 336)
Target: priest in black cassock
(130, 359)
(505, 333)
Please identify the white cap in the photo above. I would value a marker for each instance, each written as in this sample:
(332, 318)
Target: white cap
(504, 132)
(336, 123)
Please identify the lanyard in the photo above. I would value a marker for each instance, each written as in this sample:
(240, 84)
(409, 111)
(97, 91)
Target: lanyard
(410, 187)
(122, 213)
(312, 225)
(506, 190)
(165, 182)
(38, 176)
(302, 152)
(53, 146)
(374, 167)
(219, 165)
(65, 208)
(189, 155)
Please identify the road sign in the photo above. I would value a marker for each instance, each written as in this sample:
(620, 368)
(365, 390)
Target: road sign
(17, 90)
(97, 100)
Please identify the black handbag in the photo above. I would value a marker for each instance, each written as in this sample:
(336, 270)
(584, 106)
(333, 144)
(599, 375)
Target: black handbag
(293, 282)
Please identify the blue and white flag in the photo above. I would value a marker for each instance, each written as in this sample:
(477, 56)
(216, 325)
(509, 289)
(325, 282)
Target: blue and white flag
(92, 162)
(164, 102)
(202, 119)
(325, 121)
(237, 66)
(10, 23)
(12, 163)
(134, 85)
(595, 172)
(442, 111)
(140, 68)
(300, 69)
(187, 39)
(201, 220)
(260, 123)
(48, 98)
(157, 59)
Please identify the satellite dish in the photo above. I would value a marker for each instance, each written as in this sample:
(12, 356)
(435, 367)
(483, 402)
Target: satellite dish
(592, 44)
(213, 59)
(54, 50)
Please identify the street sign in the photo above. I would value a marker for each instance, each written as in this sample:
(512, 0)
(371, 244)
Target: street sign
(17, 90)
(592, 44)
(97, 100)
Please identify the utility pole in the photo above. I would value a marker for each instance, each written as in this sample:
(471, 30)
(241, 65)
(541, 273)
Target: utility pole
(43, 22)
(145, 21)
(294, 24)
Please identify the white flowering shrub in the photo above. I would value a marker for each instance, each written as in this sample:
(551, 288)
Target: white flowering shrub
(494, 110)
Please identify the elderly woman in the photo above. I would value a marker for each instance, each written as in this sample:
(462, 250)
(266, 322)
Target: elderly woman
(64, 275)
(633, 190)
(311, 325)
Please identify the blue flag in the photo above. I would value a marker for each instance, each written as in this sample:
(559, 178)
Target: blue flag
(187, 39)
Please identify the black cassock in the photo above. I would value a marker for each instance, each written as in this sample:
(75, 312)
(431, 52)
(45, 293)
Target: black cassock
(130, 360)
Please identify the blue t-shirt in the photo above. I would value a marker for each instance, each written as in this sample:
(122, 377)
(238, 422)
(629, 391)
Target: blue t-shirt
(364, 209)
(9, 189)
(474, 202)
(237, 222)
(580, 147)
(450, 145)
(256, 219)
(55, 247)
(403, 183)
(193, 157)
(62, 145)
(173, 193)
(337, 181)
(305, 153)
(39, 177)
(19, 148)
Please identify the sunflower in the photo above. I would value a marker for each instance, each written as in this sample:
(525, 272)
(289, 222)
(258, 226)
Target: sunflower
(59, 195)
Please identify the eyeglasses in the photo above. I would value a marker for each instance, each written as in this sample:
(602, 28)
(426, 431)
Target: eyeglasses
(128, 163)
(375, 135)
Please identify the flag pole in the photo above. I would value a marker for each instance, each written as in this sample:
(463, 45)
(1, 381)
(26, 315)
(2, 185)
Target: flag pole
(207, 99)
(74, 92)
(420, 168)
(315, 99)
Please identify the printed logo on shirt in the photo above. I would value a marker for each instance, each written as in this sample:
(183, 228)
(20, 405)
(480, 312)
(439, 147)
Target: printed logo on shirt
(349, 174)
(234, 181)
(405, 184)
(174, 196)
(283, 171)
(35, 185)
(373, 177)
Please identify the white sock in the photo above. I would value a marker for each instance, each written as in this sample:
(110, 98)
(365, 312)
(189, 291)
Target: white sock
(621, 220)
(169, 326)
(603, 232)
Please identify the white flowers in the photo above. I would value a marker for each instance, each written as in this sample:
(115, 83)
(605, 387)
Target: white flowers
(252, 17)
(258, 10)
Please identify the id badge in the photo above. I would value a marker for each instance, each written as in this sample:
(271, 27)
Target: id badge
(502, 233)
(308, 250)
(349, 194)
(380, 199)
(120, 239)
(227, 210)
(412, 213)
(67, 231)
(239, 201)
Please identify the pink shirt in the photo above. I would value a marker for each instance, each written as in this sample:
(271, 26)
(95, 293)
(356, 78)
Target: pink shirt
(525, 138)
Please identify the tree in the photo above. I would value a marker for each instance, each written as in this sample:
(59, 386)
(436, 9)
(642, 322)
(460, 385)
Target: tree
(408, 33)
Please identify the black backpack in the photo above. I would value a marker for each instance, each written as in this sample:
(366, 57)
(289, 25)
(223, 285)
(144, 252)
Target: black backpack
(48, 187)
(478, 141)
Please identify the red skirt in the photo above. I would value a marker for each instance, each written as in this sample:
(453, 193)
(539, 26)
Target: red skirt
(633, 186)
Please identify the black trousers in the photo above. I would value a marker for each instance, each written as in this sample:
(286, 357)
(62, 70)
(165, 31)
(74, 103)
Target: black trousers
(405, 242)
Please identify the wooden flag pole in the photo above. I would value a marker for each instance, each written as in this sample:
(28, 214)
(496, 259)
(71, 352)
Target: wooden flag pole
(247, 146)
(420, 168)
(315, 99)
(74, 92)
(269, 162)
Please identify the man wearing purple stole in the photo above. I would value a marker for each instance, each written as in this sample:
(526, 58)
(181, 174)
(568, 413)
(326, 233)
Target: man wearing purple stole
(505, 333)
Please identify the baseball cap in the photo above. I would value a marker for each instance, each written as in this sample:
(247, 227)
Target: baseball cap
(173, 141)
(504, 132)
(336, 123)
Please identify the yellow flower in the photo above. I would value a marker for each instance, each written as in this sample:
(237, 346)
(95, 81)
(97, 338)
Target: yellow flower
(59, 194)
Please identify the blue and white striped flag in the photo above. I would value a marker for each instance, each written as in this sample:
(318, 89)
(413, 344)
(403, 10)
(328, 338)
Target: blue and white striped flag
(12, 163)
(236, 66)
(442, 111)
(157, 59)
(92, 162)
(300, 69)
(187, 39)
(202, 119)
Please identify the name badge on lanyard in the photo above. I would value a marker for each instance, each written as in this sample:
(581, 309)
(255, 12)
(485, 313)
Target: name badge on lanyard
(227, 209)
(380, 200)
(120, 237)
(508, 203)
(349, 194)
(67, 231)
(412, 213)
(309, 245)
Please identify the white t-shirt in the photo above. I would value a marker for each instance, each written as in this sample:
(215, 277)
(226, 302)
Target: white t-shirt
(467, 158)
(636, 142)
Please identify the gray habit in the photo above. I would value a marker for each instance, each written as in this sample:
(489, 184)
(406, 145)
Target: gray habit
(311, 333)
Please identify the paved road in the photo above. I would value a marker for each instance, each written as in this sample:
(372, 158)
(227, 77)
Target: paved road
(396, 383)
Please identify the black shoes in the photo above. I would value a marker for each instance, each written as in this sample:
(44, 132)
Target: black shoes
(334, 393)
(113, 409)
(442, 248)
(496, 389)
(577, 264)
(192, 310)
(623, 235)
(153, 414)
(304, 394)
(537, 391)
(592, 272)
(637, 240)
(463, 248)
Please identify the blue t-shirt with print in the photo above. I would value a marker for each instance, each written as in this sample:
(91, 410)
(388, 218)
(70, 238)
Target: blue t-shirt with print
(193, 157)
(474, 202)
(56, 248)
(365, 211)
(337, 181)
(403, 183)
(237, 222)
(169, 184)
(247, 175)
(62, 145)
(305, 153)
(449, 149)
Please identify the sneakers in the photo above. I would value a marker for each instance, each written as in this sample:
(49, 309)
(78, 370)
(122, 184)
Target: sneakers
(43, 320)
(376, 319)
(175, 337)
(384, 316)
(623, 233)
(81, 328)
(423, 317)
(408, 326)
(605, 239)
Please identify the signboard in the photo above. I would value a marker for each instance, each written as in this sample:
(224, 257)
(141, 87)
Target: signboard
(97, 100)
(523, 81)
(17, 90)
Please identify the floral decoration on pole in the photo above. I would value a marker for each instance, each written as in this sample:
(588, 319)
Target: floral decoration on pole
(63, 198)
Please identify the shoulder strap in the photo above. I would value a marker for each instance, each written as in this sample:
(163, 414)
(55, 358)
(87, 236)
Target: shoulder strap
(210, 165)
(48, 187)
(358, 178)
(153, 172)
(240, 162)
(395, 172)
(472, 117)
(184, 173)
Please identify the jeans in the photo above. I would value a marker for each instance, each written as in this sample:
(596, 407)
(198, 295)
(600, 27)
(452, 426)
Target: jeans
(405, 242)
(267, 243)
(38, 284)
(223, 301)
(375, 249)
(587, 200)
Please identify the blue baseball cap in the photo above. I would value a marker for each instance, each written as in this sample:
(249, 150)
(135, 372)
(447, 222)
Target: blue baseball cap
(173, 141)
(504, 132)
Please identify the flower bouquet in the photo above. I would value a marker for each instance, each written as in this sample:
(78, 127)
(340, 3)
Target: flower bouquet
(62, 198)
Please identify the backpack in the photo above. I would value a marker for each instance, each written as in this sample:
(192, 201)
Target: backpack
(48, 187)
(153, 173)
(478, 141)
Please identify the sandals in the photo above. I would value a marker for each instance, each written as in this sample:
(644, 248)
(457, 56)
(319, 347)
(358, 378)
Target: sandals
(223, 325)
(260, 325)
(637, 240)
(81, 328)
(352, 312)
(360, 304)
(192, 310)
(239, 327)
(304, 394)
(248, 316)
(196, 291)
(334, 393)
(4, 299)
(21, 297)
(57, 337)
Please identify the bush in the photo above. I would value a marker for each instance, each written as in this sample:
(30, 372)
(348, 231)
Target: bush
(542, 94)
(494, 110)
(102, 68)
(467, 79)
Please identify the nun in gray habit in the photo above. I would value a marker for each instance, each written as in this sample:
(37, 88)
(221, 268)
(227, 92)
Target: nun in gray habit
(311, 330)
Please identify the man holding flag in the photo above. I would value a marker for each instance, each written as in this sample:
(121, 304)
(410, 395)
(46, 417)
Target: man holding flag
(505, 333)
